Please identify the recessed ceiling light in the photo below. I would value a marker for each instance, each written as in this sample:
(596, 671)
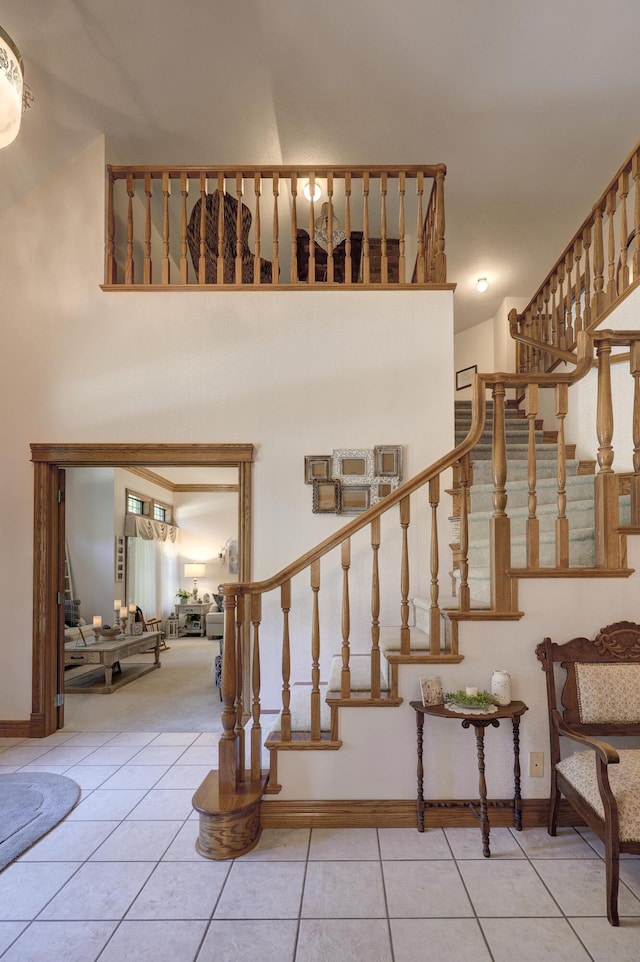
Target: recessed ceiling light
(482, 285)
(316, 191)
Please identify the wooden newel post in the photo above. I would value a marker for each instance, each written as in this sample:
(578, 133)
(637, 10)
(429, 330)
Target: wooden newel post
(228, 760)
(500, 530)
(607, 511)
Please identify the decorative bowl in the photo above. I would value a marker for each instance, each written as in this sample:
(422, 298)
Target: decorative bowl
(108, 633)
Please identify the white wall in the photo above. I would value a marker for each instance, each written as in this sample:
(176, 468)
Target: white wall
(206, 521)
(90, 539)
(294, 373)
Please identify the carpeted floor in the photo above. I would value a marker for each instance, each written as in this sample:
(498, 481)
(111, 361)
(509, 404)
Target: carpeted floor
(31, 803)
(180, 697)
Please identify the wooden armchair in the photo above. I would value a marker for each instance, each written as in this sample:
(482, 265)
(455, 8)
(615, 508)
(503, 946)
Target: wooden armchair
(600, 697)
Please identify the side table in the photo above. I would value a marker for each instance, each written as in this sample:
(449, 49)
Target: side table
(479, 722)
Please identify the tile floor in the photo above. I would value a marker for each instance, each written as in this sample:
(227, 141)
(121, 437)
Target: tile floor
(119, 878)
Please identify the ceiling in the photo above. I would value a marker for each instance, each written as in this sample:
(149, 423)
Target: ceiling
(532, 106)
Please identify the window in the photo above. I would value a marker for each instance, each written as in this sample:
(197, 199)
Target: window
(135, 505)
(145, 505)
(159, 512)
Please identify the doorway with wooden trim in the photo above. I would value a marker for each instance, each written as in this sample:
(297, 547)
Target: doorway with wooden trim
(50, 461)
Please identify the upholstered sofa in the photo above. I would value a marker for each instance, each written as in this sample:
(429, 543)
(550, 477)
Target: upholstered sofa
(214, 619)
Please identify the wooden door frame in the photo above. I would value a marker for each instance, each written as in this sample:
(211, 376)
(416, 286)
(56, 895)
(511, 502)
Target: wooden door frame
(47, 460)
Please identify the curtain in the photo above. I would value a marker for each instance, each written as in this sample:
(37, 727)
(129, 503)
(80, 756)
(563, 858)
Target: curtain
(152, 575)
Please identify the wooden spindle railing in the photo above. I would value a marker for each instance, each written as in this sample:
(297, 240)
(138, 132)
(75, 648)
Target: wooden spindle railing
(500, 523)
(375, 609)
(285, 717)
(405, 518)
(256, 728)
(562, 522)
(224, 236)
(533, 524)
(315, 652)
(345, 676)
(434, 610)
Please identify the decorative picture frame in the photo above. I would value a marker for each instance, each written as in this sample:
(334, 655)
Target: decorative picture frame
(464, 377)
(382, 487)
(327, 497)
(356, 498)
(353, 465)
(317, 467)
(119, 559)
(387, 460)
(136, 628)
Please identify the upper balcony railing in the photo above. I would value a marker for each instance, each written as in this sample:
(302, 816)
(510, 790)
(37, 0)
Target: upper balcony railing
(598, 267)
(278, 227)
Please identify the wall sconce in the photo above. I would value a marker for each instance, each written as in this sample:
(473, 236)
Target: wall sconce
(14, 96)
(482, 285)
(316, 191)
(194, 571)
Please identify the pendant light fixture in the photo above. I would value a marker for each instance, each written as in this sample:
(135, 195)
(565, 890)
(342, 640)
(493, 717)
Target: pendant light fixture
(11, 89)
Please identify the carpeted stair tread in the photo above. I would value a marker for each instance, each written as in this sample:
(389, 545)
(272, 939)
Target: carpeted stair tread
(518, 469)
(360, 670)
(300, 708)
(390, 639)
(577, 488)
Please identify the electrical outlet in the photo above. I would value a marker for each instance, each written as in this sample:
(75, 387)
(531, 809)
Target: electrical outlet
(536, 764)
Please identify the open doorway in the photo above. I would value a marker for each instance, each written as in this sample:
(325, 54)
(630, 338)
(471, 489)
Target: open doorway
(50, 462)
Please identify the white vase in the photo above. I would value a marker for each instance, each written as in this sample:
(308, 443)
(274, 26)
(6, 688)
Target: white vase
(501, 686)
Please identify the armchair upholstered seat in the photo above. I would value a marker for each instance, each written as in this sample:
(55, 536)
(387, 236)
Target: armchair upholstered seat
(600, 699)
(229, 235)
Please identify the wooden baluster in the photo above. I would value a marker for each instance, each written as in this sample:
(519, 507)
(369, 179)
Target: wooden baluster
(256, 728)
(562, 339)
(623, 273)
(257, 229)
(555, 340)
(577, 250)
(586, 311)
(312, 229)
(285, 718)
(345, 677)
(315, 653)
(166, 193)
(330, 264)
(500, 529)
(275, 268)
(634, 365)
(375, 609)
(240, 720)
(146, 266)
(568, 263)
(227, 747)
(562, 522)
(598, 303)
(533, 524)
(238, 259)
(347, 228)
(222, 275)
(612, 289)
(607, 501)
(465, 598)
(184, 191)
(430, 242)
(405, 635)
(441, 257)
(635, 173)
(366, 265)
(434, 608)
(402, 261)
(129, 271)
(420, 262)
(384, 261)
(111, 269)
(202, 258)
(293, 276)
(546, 295)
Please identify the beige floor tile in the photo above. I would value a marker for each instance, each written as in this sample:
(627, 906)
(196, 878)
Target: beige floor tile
(342, 890)
(173, 941)
(417, 939)
(181, 890)
(98, 891)
(9, 769)
(579, 888)
(9, 931)
(508, 888)
(160, 755)
(138, 739)
(137, 842)
(110, 755)
(107, 804)
(23, 754)
(537, 843)
(52, 769)
(630, 875)
(183, 847)
(164, 803)
(65, 755)
(70, 842)
(530, 940)
(94, 739)
(408, 843)
(608, 943)
(68, 941)
(467, 843)
(265, 940)
(200, 755)
(280, 844)
(425, 890)
(136, 776)
(349, 940)
(174, 738)
(334, 844)
(262, 890)
(91, 776)
(184, 776)
(26, 887)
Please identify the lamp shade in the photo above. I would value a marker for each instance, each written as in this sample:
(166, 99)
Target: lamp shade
(11, 83)
(194, 571)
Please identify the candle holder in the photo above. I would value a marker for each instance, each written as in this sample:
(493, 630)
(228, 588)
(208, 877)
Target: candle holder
(123, 624)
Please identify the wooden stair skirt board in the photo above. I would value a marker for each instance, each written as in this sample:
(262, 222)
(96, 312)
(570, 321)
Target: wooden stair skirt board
(230, 825)
(401, 813)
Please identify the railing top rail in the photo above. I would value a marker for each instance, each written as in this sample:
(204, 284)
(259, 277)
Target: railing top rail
(357, 171)
(480, 383)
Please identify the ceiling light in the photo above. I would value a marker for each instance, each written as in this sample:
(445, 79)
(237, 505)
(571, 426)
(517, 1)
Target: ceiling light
(316, 191)
(11, 84)
(482, 285)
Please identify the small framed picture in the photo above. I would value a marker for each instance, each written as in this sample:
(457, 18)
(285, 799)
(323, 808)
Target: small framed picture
(136, 628)
(388, 461)
(326, 497)
(119, 558)
(317, 467)
(353, 465)
(464, 377)
(355, 499)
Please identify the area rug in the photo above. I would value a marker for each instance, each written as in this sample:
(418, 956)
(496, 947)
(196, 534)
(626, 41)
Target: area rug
(31, 803)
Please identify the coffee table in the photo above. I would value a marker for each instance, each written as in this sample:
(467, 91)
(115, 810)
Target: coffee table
(105, 654)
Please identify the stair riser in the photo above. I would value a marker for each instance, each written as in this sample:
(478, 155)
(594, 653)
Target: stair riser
(518, 470)
(582, 517)
(577, 489)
